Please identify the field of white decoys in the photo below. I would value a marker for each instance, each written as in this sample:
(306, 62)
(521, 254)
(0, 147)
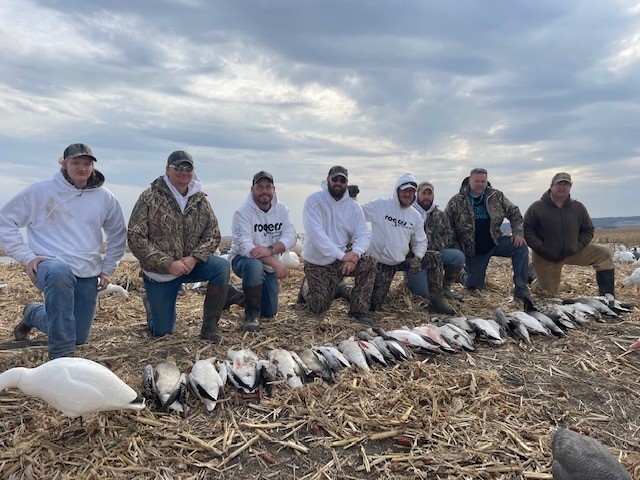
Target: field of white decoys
(439, 403)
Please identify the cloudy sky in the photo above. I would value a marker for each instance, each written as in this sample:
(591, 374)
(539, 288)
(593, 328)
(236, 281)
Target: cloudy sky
(435, 88)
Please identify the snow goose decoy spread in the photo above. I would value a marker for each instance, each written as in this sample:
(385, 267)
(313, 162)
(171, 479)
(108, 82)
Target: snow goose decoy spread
(578, 457)
(75, 386)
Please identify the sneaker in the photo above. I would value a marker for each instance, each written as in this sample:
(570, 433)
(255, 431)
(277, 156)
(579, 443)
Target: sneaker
(21, 331)
(363, 318)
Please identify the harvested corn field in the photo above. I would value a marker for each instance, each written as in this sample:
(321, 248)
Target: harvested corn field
(468, 415)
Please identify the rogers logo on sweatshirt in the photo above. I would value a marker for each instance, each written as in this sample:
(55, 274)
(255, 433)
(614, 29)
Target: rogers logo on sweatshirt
(267, 228)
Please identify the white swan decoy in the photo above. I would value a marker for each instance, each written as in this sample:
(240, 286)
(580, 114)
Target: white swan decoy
(75, 386)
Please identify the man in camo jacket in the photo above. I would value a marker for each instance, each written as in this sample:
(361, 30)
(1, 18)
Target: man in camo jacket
(447, 260)
(476, 214)
(174, 233)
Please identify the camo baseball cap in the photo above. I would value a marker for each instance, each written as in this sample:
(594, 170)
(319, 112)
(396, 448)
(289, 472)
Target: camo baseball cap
(78, 150)
(561, 177)
(338, 170)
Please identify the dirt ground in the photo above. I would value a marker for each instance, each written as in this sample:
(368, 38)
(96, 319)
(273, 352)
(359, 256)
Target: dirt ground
(486, 414)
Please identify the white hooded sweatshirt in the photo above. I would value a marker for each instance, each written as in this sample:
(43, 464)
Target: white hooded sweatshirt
(330, 226)
(252, 227)
(65, 223)
(394, 229)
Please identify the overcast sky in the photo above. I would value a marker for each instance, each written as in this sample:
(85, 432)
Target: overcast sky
(523, 88)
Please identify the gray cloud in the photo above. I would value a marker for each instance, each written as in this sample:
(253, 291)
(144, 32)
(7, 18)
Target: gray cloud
(429, 87)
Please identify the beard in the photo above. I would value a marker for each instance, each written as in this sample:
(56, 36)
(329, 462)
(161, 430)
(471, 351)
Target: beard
(337, 194)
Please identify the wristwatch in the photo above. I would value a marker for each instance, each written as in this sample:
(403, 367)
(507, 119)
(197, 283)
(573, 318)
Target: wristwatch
(270, 247)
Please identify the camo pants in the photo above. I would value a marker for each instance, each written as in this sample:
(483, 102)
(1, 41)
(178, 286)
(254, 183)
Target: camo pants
(384, 277)
(321, 282)
(432, 262)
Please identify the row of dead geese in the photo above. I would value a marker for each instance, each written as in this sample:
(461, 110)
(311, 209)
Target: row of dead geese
(77, 386)
(166, 385)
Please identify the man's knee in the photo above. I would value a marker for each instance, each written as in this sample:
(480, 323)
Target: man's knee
(218, 270)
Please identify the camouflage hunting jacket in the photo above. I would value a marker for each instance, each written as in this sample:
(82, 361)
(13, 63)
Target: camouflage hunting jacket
(160, 233)
(439, 231)
(460, 214)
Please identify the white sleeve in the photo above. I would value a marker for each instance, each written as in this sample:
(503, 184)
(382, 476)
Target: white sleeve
(115, 229)
(14, 215)
(361, 234)
(241, 231)
(289, 236)
(314, 230)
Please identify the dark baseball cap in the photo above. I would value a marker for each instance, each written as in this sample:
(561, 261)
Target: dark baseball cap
(260, 175)
(78, 150)
(178, 157)
(338, 170)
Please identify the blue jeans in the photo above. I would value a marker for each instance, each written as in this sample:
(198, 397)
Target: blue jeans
(452, 259)
(252, 273)
(69, 306)
(477, 266)
(162, 295)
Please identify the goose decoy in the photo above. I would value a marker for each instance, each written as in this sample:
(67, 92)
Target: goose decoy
(578, 457)
(634, 278)
(111, 289)
(290, 260)
(207, 382)
(75, 386)
(167, 385)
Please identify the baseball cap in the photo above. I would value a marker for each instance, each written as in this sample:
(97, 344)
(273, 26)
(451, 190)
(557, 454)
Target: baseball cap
(424, 186)
(178, 157)
(78, 150)
(406, 185)
(338, 170)
(260, 175)
(561, 177)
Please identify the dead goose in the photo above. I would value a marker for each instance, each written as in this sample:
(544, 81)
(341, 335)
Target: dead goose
(354, 354)
(457, 337)
(335, 357)
(286, 366)
(166, 385)
(208, 382)
(318, 365)
(75, 386)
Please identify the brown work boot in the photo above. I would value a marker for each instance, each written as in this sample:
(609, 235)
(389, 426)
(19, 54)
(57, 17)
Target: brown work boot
(21, 331)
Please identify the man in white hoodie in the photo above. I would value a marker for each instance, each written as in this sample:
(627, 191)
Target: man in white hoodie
(65, 219)
(335, 244)
(398, 240)
(262, 230)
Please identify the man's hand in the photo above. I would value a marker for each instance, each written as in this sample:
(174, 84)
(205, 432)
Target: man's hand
(415, 265)
(279, 269)
(103, 281)
(352, 257)
(190, 262)
(32, 268)
(518, 240)
(178, 268)
(347, 267)
(260, 252)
